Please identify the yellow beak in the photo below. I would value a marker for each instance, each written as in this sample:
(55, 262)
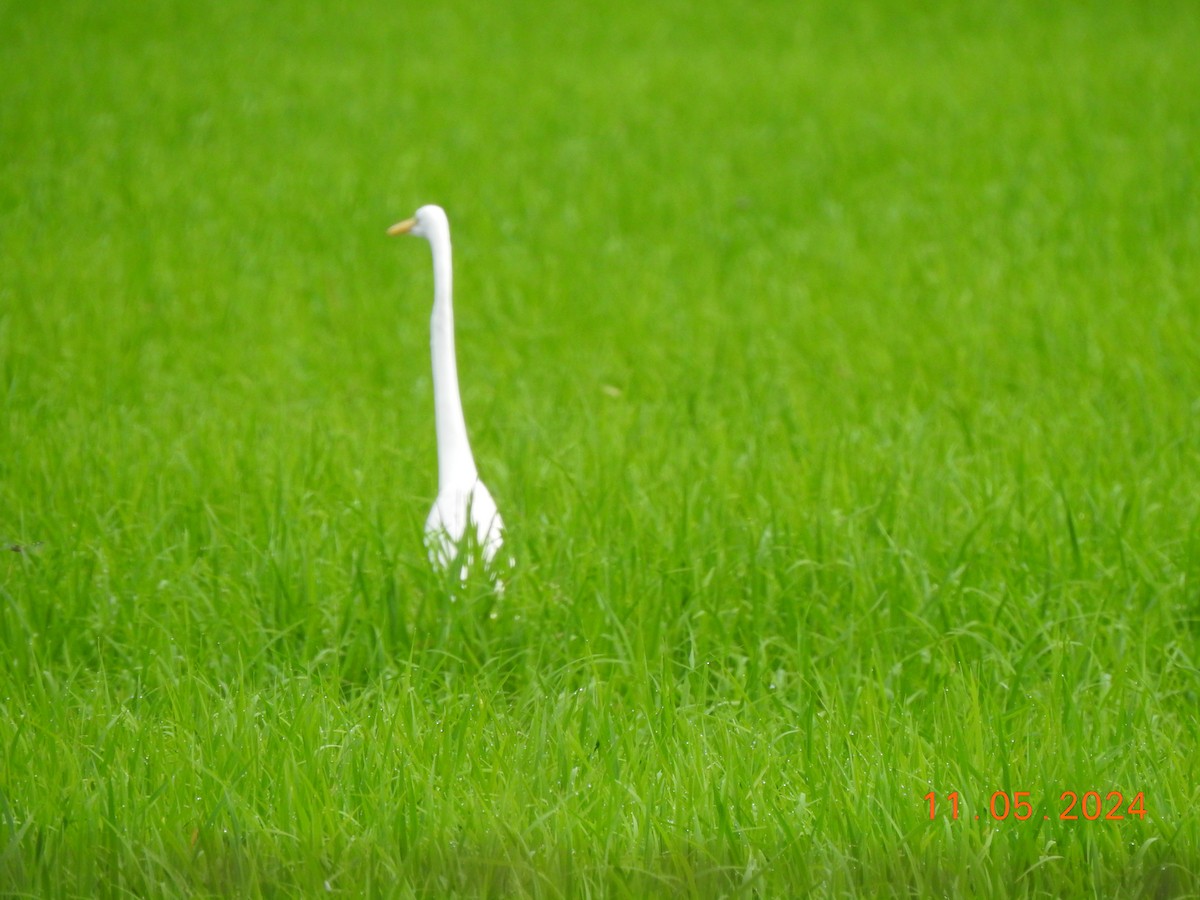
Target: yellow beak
(402, 227)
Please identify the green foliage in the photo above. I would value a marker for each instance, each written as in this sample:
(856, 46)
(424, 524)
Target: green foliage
(835, 370)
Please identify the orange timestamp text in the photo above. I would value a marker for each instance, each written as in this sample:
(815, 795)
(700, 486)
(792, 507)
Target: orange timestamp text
(1072, 807)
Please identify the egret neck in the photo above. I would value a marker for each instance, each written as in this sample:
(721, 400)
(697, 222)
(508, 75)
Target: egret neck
(456, 465)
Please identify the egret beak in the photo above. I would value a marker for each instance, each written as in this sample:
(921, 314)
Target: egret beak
(402, 227)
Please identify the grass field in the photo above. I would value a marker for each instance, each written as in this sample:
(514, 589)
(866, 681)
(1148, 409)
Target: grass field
(836, 368)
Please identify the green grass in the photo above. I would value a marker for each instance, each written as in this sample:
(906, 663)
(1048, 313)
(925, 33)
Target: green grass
(835, 369)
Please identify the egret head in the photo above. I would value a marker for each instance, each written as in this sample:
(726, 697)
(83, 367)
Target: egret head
(427, 221)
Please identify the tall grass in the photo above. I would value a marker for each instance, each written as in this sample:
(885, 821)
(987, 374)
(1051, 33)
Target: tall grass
(835, 370)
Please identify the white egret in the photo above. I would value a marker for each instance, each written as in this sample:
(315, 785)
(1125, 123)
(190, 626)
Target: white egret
(462, 499)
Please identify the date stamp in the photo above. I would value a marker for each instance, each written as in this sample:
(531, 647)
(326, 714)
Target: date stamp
(1071, 806)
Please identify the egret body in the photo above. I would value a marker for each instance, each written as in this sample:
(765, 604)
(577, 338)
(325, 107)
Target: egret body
(462, 500)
